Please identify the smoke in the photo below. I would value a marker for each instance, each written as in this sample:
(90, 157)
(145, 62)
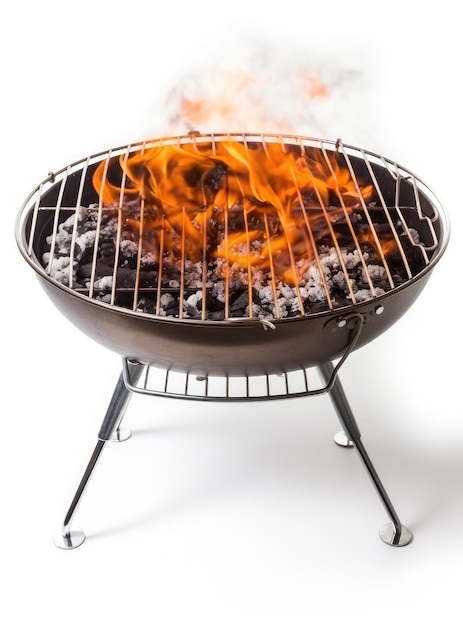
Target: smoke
(270, 88)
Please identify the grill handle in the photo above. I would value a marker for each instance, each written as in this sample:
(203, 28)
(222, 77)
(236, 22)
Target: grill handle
(354, 322)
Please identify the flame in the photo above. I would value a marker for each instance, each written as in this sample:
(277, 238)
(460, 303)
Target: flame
(253, 205)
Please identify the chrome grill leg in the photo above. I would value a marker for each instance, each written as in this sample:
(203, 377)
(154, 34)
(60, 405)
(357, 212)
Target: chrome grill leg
(109, 431)
(394, 533)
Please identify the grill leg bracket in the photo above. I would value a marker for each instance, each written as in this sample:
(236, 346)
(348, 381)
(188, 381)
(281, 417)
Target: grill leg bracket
(393, 533)
(110, 430)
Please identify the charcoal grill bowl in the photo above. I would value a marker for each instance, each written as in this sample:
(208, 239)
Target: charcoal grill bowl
(232, 347)
(239, 347)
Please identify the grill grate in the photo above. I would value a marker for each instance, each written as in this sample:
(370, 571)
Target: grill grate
(392, 235)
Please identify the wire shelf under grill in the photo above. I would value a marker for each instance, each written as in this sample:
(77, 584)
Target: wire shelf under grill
(154, 381)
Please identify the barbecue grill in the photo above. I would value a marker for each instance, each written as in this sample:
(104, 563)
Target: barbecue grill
(230, 267)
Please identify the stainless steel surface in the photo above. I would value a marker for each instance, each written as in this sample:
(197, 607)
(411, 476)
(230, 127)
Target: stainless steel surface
(342, 440)
(120, 435)
(239, 346)
(389, 535)
(229, 348)
(69, 541)
(66, 538)
(400, 535)
(109, 431)
(118, 405)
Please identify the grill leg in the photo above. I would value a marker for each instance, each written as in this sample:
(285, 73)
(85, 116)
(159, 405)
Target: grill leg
(109, 431)
(394, 533)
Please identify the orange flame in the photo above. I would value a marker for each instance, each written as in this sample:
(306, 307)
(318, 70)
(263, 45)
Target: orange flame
(252, 205)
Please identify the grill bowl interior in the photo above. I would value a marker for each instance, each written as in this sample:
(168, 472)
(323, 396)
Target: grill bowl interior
(240, 346)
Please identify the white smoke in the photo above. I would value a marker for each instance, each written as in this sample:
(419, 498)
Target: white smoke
(265, 88)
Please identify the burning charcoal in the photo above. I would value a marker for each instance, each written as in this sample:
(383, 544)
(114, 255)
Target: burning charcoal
(172, 309)
(84, 248)
(239, 304)
(124, 299)
(84, 272)
(314, 307)
(125, 278)
(128, 249)
(191, 312)
(192, 305)
(398, 279)
(149, 262)
(61, 269)
(377, 273)
(213, 305)
(361, 295)
(146, 305)
(414, 255)
(214, 178)
(216, 315)
(170, 273)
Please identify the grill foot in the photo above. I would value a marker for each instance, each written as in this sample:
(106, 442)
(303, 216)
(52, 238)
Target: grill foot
(70, 540)
(390, 536)
(341, 439)
(120, 434)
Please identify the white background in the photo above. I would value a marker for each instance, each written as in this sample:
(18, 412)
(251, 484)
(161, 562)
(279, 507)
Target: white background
(216, 514)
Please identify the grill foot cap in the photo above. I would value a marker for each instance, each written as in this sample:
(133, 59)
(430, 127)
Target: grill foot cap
(341, 439)
(388, 535)
(120, 434)
(68, 541)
